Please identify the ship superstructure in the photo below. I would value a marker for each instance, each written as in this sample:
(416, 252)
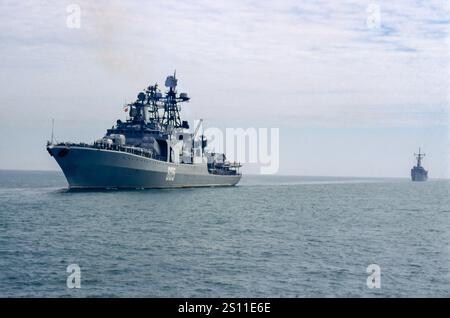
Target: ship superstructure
(152, 148)
(418, 173)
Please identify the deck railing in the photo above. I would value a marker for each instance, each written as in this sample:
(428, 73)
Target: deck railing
(133, 150)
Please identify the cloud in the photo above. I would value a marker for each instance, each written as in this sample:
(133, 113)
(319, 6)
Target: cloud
(313, 68)
(315, 60)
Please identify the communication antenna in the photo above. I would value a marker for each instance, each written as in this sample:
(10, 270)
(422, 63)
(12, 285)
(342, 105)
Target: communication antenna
(53, 128)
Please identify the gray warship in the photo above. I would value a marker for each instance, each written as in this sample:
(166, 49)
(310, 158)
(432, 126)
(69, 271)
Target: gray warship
(418, 173)
(152, 148)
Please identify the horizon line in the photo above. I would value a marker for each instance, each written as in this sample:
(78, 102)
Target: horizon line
(253, 174)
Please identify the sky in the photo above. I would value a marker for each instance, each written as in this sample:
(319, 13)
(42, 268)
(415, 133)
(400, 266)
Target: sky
(354, 87)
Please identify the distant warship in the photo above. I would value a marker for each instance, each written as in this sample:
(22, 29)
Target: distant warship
(418, 173)
(151, 149)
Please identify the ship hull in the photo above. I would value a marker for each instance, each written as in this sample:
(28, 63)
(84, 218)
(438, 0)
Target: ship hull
(419, 175)
(419, 178)
(91, 168)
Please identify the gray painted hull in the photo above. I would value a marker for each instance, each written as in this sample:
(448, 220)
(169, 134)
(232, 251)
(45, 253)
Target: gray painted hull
(90, 168)
(419, 174)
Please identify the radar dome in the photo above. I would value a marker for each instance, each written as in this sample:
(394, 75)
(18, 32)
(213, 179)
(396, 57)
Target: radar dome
(171, 81)
(141, 96)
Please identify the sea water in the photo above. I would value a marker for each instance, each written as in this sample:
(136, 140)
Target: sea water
(270, 236)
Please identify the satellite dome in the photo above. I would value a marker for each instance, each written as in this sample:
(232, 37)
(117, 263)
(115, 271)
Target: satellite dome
(141, 96)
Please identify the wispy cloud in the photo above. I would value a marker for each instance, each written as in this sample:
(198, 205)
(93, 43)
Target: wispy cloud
(314, 60)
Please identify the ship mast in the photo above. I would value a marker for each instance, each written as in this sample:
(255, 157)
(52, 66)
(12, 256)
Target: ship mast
(153, 96)
(419, 156)
(171, 116)
(145, 110)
